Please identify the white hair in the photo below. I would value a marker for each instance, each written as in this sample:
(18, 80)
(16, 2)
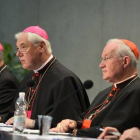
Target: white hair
(124, 50)
(34, 38)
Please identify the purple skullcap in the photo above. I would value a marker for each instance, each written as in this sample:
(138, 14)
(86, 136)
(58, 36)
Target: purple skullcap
(37, 30)
(1, 48)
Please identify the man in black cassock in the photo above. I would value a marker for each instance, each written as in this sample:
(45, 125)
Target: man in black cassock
(8, 84)
(58, 92)
(118, 105)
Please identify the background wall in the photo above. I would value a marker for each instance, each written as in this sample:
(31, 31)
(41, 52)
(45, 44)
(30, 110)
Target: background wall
(78, 29)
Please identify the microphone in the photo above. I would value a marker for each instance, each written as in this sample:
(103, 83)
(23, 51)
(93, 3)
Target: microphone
(88, 84)
(30, 83)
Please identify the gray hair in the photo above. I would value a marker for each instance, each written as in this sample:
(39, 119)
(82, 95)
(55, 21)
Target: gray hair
(34, 38)
(1, 56)
(124, 50)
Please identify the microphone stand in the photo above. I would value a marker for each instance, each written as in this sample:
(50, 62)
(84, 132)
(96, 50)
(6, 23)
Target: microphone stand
(41, 125)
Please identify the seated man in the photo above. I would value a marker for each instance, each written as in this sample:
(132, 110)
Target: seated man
(53, 81)
(8, 84)
(129, 134)
(118, 105)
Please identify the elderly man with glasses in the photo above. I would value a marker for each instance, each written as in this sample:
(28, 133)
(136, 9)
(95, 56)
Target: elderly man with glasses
(119, 104)
(53, 81)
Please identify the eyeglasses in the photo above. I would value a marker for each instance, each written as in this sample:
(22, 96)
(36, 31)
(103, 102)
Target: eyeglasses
(24, 49)
(105, 60)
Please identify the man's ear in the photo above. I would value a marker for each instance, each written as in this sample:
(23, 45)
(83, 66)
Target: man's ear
(126, 61)
(42, 46)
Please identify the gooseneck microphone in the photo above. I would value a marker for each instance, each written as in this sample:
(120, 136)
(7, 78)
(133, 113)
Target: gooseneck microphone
(30, 83)
(88, 84)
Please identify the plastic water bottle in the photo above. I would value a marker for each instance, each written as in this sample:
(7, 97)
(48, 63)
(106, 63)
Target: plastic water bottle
(20, 113)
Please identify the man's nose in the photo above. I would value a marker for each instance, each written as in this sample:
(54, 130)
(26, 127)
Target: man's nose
(102, 64)
(18, 54)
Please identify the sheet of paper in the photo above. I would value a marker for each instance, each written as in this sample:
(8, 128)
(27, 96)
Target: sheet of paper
(44, 137)
(8, 129)
(31, 131)
(65, 134)
(5, 125)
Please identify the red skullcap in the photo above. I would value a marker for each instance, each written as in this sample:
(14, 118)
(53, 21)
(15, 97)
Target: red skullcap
(132, 46)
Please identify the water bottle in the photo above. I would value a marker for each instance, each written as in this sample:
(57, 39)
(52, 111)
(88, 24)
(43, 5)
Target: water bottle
(20, 113)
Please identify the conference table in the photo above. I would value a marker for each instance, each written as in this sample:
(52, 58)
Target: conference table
(6, 133)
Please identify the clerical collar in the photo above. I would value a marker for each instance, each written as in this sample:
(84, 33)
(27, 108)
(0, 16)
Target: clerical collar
(2, 68)
(36, 71)
(123, 81)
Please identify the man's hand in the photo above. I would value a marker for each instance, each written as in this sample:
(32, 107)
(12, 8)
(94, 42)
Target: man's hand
(64, 126)
(131, 134)
(29, 123)
(105, 134)
(10, 121)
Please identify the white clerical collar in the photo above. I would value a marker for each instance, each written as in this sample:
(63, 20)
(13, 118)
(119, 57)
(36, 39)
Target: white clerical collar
(115, 84)
(36, 71)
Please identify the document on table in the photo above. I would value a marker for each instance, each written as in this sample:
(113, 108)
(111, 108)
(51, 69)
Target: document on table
(31, 131)
(9, 128)
(5, 125)
(55, 133)
(35, 134)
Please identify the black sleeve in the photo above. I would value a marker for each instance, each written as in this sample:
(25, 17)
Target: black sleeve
(123, 113)
(7, 88)
(68, 101)
(3, 117)
(8, 85)
(90, 132)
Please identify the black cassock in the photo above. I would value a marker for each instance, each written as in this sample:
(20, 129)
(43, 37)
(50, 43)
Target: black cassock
(8, 84)
(49, 97)
(123, 112)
